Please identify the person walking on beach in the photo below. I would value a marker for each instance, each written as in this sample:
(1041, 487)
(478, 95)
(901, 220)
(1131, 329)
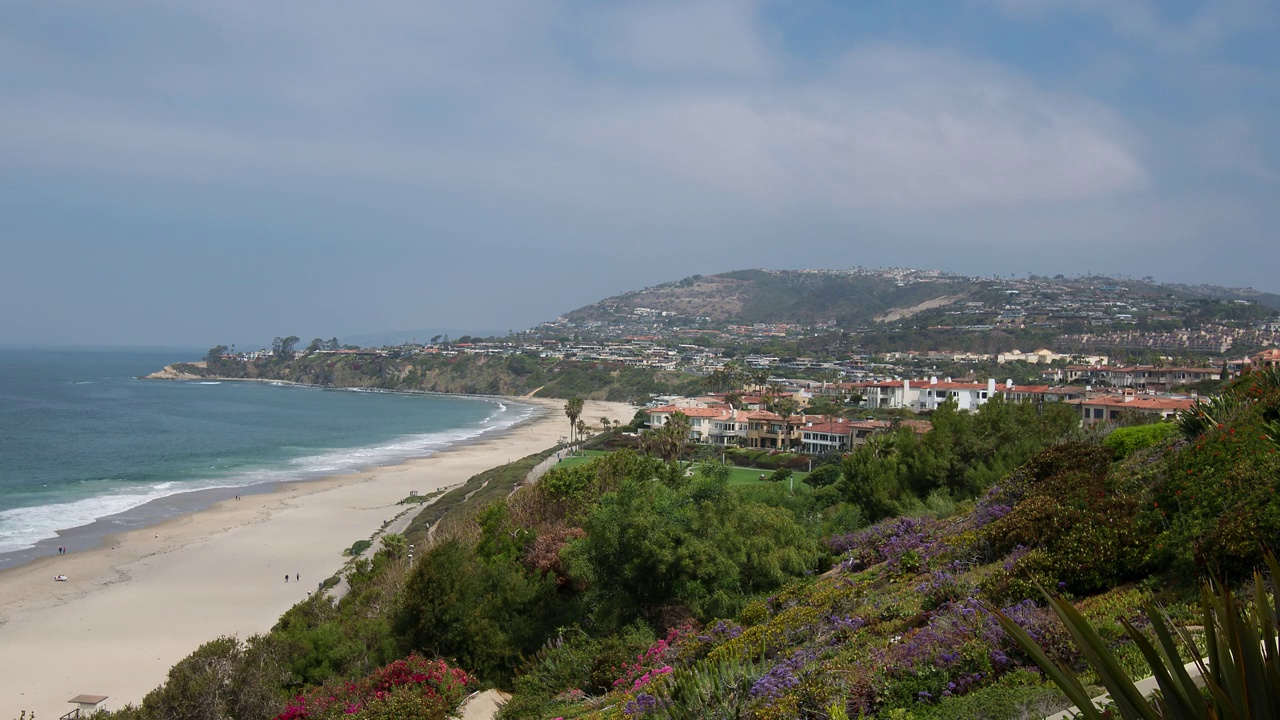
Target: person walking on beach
(286, 577)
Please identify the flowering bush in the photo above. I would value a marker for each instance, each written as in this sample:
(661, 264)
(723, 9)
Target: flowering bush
(1218, 501)
(411, 688)
(905, 545)
(654, 662)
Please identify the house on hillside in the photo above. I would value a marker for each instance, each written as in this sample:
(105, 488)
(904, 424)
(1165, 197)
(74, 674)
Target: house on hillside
(1109, 407)
(766, 430)
(967, 396)
(888, 394)
(1266, 359)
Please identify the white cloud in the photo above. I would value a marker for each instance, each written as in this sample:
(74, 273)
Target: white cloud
(434, 94)
(683, 39)
(696, 135)
(1210, 24)
(890, 128)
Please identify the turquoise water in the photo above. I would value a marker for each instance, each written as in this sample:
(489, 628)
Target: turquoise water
(81, 438)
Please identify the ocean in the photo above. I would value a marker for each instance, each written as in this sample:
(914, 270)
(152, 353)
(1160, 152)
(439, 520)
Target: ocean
(87, 449)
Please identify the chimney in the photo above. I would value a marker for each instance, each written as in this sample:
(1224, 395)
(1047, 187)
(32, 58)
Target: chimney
(991, 387)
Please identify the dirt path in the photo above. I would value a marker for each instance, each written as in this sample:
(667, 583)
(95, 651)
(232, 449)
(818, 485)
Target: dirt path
(903, 313)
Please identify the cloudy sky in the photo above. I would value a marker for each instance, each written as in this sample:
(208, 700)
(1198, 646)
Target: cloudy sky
(185, 173)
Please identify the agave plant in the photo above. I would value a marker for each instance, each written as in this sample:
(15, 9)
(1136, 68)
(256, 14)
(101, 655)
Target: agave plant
(1207, 414)
(1240, 675)
(1273, 431)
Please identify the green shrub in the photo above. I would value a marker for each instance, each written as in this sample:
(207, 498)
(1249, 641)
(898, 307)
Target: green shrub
(1128, 440)
(486, 614)
(702, 547)
(225, 677)
(1019, 694)
(823, 476)
(1066, 505)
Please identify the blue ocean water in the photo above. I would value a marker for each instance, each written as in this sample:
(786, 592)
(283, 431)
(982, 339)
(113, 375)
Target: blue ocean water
(81, 438)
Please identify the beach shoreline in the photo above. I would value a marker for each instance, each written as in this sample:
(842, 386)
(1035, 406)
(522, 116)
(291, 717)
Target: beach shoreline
(147, 597)
(93, 534)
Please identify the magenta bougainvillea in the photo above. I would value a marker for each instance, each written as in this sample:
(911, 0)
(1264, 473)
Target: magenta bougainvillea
(412, 688)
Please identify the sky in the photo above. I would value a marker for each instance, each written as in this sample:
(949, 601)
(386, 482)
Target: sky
(195, 173)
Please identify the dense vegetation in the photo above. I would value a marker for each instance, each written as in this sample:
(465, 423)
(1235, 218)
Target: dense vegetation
(632, 586)
(471, 374)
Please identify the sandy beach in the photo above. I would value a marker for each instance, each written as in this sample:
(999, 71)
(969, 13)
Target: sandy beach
(132, 608)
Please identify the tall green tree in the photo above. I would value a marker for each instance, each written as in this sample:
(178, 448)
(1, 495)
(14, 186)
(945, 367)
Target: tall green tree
(573, 410)
(283, 347)
(215, 354)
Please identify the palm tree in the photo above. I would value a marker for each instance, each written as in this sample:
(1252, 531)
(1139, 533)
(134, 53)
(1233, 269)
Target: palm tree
(668, 440)
(761, 378)
(573, 410)
(395, 545)
(605, 422)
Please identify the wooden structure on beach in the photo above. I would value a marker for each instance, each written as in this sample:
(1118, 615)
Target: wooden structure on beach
(86, 705)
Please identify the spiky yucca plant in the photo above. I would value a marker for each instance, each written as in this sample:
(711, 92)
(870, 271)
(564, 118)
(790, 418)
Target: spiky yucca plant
(1240, 675)
(716, 690)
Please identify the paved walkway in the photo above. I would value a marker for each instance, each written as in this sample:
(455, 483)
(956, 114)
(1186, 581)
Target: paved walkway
(482, 706)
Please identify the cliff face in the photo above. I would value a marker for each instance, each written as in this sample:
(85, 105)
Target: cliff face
(180, 371)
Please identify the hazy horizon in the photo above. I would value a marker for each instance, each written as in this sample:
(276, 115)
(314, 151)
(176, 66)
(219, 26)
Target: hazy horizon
(189, 175)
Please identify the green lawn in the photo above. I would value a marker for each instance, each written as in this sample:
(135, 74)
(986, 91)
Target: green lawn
(583, 456)
(751, 476)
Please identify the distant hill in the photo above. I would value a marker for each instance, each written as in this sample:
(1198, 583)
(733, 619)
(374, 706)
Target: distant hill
(847, 298)
(863, 297)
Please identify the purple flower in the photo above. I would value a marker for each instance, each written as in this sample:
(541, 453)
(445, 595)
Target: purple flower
(781, 677)
(642, 705)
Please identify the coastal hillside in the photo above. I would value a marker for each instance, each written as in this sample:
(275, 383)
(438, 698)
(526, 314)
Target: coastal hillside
(783, 296)
(472, 374)
(866, 297)
(627, 585)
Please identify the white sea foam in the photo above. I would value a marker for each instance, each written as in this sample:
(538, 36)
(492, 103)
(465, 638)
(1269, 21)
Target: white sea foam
(209, 383)
(22, 528)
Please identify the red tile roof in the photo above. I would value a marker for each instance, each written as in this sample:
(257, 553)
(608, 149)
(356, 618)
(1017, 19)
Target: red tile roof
(1136, 402)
